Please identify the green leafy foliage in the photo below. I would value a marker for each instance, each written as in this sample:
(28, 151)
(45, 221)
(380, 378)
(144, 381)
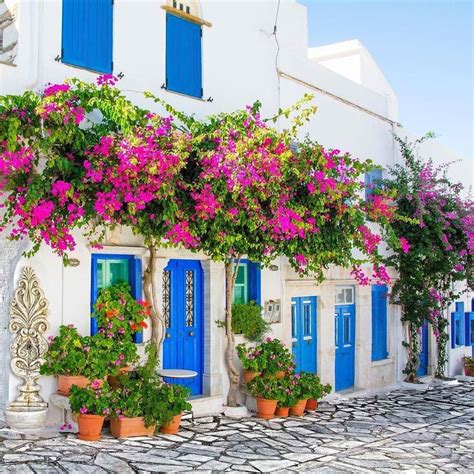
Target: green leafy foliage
(94, 399)
(247, 319)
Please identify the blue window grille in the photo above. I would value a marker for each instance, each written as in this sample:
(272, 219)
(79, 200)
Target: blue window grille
(108, 269)
(372, 180)
(87, 34)
(457, 326)
(183, 56)
(379, 322)
(248, 286)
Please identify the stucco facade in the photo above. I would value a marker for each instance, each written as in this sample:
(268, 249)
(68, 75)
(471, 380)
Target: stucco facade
(242, 61)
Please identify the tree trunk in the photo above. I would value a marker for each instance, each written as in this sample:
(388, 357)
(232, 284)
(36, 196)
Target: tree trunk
(231, 268)
(413, 352)
(150, 290)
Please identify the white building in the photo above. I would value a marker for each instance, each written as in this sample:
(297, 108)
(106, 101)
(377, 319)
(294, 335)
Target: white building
(236, 54)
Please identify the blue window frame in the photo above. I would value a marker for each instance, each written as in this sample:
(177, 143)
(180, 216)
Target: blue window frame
(108, 269)
(379, 322)
(469, 328)
(183, 56)
(372, 178)
(457, 326)
(248, 286)
(87, 34)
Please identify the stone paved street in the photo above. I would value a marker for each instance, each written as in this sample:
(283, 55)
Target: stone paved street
(392, 432)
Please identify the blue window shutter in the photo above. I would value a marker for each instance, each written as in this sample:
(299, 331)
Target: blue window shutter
(371, 179)
(87, 34)
(94, 294)
(183, 56)
(457, 329)
(255, 282)
(136, 276)
(379, 322)
(468, 317)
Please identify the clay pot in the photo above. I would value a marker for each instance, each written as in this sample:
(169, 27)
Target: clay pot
(127, 427)
(65, 382)
(280, 375)
(266, 408)
(469, 370)
(114, 381)
(298, 409)
(90, 427)
(282, 412)
(311, 404)
(250, 375)
(172, 427)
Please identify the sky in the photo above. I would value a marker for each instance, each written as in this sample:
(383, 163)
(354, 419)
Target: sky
(425, 50)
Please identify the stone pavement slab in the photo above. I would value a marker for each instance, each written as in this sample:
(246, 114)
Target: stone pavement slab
(422, 431)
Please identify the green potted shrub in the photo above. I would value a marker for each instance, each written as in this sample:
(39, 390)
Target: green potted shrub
(317, 390)
(250, 361)
(68, 358)
(91, 404)
(174, 400)
(247, 319)
(267, 391)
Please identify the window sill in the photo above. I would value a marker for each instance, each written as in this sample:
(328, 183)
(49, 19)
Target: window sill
(84, 68)
(119, 249)
(382, 362)
(186, 16)
(182, 94)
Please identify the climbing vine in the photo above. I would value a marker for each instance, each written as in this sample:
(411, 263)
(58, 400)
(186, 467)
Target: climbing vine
(436, 236)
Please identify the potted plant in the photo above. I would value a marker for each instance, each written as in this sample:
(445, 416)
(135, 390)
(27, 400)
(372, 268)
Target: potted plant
(267, 391)
(247, 320)
(91, 405)
(278, 360)
(317, 390)
(283, 405)
(137, 405)
(299, 385)
(173, 398)
(249, 356)
(68, 358)
(468, 364)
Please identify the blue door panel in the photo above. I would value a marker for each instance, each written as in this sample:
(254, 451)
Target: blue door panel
(423, 368)
(183, 56)
(87, 34)
(183, 344)
(344, 322)
(303, 333)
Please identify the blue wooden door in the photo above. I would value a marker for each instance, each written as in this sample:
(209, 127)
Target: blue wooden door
(423, 368)
(303, 333)
(183, 314)
(345, 346)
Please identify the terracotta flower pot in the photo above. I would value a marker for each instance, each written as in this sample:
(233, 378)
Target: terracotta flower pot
(311, 404)
(469, 370)
(282, 412)
(280, 374)
(172, 427)
(114, 381)
(126, 427)
(250, 375)
(298, 409)
(266, 408)
(90, 427)
(65, 382)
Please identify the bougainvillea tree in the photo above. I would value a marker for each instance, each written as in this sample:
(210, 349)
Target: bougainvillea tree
(82, 156)
(254, 196)
(435, 252)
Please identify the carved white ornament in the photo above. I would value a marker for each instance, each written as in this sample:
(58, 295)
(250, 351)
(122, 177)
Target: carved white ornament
(28, 323)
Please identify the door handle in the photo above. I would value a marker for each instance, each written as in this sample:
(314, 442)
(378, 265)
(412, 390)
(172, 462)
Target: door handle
(191, 333)
(168, 335)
